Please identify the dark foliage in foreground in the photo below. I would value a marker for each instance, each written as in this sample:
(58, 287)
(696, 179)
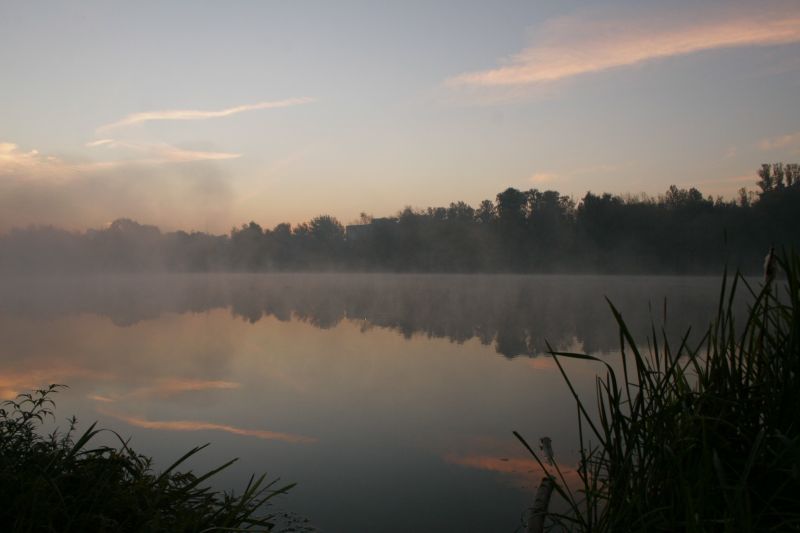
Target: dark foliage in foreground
(59, 483)
(680, 231)
(703, 438)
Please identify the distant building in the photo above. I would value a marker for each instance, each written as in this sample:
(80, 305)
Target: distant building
(354, 232)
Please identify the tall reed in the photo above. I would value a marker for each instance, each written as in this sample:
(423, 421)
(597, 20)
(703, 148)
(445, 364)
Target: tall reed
(694, 438)
(57, 482)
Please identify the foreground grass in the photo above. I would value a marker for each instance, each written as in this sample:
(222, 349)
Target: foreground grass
(700, 438)
(58, 482)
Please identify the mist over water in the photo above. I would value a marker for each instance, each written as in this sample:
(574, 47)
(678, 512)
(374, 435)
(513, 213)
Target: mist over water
(514, 313)
(390, 399)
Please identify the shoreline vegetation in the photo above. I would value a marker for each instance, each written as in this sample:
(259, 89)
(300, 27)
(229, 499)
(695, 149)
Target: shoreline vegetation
(690, 438)
(65, 482)
(679, 232)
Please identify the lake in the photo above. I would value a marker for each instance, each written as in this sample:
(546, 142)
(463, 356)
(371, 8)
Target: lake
(389, 399)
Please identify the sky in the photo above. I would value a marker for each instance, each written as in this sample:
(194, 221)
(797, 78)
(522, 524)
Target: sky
(206, 114)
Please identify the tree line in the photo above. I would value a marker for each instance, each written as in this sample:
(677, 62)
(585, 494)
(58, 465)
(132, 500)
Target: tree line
(680, 231)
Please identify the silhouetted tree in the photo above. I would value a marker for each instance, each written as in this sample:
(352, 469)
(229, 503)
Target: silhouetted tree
(247, 247)
(511, 205)
(485, 212)
(532, 231)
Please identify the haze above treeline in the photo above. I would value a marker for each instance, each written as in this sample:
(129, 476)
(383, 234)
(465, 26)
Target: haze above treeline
(681, 231)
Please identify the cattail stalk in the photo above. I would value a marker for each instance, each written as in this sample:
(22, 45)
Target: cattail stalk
(542, 500)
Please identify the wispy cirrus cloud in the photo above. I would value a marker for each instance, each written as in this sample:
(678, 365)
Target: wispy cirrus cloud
(162, 152)
(100, 142)
(190, 425)
(193, 114)
(789, 141)
(575, 45)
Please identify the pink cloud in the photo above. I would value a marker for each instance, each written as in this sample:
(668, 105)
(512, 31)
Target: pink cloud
(790, 140)
(571, 46)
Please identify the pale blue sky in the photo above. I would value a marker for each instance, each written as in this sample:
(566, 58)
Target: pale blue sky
(371, 106)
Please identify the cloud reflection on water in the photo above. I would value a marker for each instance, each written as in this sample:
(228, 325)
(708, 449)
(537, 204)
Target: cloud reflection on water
(191, 425)
(14, 382)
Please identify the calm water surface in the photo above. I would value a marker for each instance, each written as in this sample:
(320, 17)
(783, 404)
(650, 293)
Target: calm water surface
(389, 399)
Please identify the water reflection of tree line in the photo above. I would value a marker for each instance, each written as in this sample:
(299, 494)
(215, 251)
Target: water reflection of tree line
(517, 314)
